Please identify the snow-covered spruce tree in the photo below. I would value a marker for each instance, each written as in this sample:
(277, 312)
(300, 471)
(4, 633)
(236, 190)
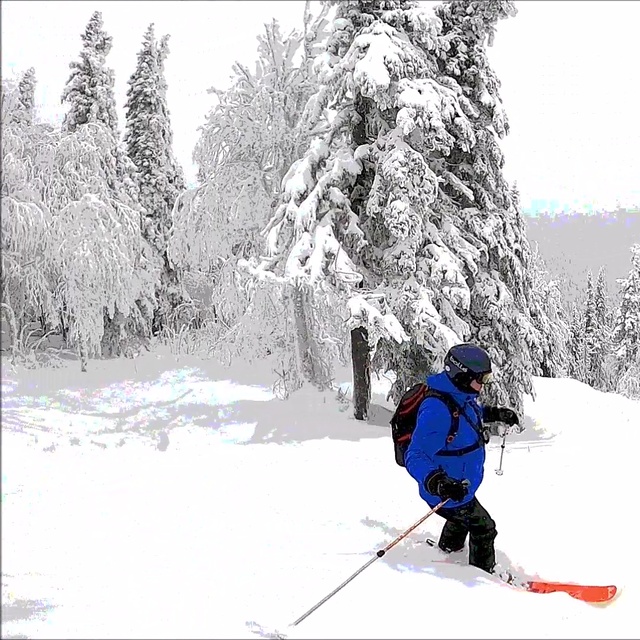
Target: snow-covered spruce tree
(596, 329)
(159, 177)
(423, 258)
(250, 138)
(107, 271)
(590, 330)
(26, 96)
(610, 359)
(478, 262)
(18, 99)
(549, 318)
(475, 196)
(89, 89)
(576, 348)
(601, 335)
(626, 335)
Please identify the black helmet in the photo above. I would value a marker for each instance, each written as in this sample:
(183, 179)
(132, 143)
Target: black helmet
(465, 363)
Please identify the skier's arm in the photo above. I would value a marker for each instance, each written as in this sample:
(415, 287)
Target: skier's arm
(501, 415)
(429, 436)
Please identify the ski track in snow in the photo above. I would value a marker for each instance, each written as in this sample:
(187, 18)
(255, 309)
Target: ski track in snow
(249, 510)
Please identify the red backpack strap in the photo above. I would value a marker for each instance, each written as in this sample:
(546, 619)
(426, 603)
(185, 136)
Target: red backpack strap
(412, 400)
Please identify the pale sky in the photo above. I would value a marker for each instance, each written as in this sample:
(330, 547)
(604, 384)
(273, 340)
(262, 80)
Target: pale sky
(569, 73)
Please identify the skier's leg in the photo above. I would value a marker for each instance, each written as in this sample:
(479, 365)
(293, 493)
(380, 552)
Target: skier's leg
(454, 532)
(482, 533)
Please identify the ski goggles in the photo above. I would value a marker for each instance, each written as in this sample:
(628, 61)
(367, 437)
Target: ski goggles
(483, 378)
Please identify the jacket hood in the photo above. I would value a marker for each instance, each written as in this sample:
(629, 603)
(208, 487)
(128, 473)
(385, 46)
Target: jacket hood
(442, 382)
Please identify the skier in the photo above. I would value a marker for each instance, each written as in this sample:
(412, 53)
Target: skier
(447, 465)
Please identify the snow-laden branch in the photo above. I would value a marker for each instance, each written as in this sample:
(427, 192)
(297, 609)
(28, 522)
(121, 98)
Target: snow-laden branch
(99, 249)
(379, 325)
(309, 187)
(428, 327)
(316, 255)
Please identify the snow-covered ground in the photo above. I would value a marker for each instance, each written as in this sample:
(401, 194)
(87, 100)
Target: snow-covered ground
(163, 499)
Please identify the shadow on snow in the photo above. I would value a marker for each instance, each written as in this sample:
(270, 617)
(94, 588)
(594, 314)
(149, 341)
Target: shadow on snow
(22, 610)
(202, 398)
(414, 555)
(189, 397)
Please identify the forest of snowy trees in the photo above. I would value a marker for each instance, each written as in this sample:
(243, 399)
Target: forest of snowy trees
(350, 208)
(573, 243)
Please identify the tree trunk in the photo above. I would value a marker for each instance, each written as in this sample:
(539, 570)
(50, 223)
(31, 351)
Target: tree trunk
(64, 327)
(360, 352)
(311, 363)
(361, 363)
(124, 335)
(168, 300)
(304, 348)
(84, 355)
(112, 335)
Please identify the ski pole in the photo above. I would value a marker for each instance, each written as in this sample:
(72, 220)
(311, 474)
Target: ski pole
(499, 469)
(379, 554)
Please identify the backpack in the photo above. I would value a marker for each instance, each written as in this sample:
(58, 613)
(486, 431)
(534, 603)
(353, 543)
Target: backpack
(403, 421)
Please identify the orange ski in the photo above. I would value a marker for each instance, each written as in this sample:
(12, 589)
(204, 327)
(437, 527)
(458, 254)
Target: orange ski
(593, 594)
(586, 593)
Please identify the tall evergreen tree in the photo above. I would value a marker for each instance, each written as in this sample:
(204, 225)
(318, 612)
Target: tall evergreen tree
(27, 95)
(18, 99)
(160, 179)
(375, 213)
(590, 343)
(590, 330)
(100, 195)
(601, 335)
(487, 208)
(576, 369)
(549, 318)
(89, 89)
(626, 335)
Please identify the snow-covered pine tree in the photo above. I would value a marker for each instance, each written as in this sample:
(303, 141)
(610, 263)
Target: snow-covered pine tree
(485, 209)
(18, 99)
(26, 95)
(107, 270)
(597, 342)
(626, 335)
(576, 368)
(610, 359)
(549, 318)
(148, 138)
(590, 330)
(590, 343)
(250, 138)
(89, 89)
(421, 259)
(601, 334)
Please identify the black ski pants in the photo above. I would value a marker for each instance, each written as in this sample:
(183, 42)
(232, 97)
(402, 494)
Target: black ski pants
(472, 519)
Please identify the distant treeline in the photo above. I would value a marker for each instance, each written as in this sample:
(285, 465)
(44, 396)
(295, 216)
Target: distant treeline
(572, 244)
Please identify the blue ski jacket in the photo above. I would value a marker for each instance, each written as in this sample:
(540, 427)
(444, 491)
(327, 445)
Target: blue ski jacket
(429, 440)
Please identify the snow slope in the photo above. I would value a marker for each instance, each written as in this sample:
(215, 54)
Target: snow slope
(177, 499)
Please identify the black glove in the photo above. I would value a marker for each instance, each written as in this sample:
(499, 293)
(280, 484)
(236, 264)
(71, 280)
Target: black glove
(499, 414)
(440, 484)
